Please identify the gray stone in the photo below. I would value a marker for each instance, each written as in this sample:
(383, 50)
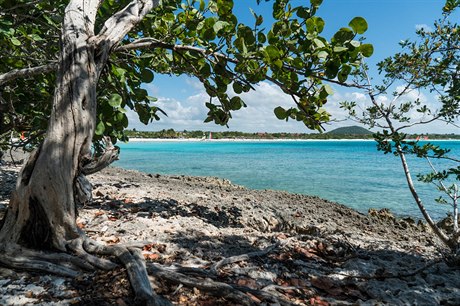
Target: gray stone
(36, 290)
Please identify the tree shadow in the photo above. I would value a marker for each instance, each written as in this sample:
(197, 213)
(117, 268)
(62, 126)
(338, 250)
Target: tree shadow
(310, 265)
(331, 269)
(167, 208)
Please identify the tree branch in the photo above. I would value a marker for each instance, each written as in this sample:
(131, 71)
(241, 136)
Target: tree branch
(96, 164)
(118, 26)
(27, 72)
(145, 43)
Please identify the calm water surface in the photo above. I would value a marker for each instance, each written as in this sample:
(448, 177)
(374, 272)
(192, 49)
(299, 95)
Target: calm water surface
(353, 173)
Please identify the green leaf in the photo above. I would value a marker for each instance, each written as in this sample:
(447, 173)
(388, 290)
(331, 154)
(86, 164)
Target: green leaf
(236, 103)
(224, 6)
(355, 43)
(316, 3)
(272, 52)
(343, 35)
(319, 43)
(147, 76)
(261, 37)
(115, 100)
(344, 72)
(168, 17)
(219, 25)
(328, 89)
(358, 24)
(237, 87)
(323, 54)
(339, 49)
(280, 113)
(315, 24)
(366, 50)
(140, 94)
(303, 12)
(202, 5)
(259, 18)
(152, 99)
(15, 41)
(100, 128)
(36, 37)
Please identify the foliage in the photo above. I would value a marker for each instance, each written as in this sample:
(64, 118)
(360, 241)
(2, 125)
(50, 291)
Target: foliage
(429, 64)
(350, 130)
(170, 133)
(203, 39)
(29, 37)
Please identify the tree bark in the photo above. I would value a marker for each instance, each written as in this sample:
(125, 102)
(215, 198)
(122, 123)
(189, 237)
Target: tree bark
(42, 210)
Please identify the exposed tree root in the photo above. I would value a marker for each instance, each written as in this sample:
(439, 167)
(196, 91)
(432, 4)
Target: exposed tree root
(76, 246)
(13, 256)
(134, 262)
(212, 287)
(71, 265)
(231, 292)
(68, 265)
(242, 257)
(73, 262)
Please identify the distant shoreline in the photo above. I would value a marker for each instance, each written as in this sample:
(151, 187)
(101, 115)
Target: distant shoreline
(235, 140)
(259, 140)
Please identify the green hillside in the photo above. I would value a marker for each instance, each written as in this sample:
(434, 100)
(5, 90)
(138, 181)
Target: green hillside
(350, 130)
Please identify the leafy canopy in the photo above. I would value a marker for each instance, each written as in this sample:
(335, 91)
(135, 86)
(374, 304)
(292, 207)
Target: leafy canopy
(202, 39)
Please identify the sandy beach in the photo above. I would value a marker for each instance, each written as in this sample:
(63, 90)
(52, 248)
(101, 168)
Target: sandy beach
(233, 140)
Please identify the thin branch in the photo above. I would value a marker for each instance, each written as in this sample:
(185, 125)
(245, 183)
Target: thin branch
(418, 123)
(145, 43)
(444, 157)
(444, 188)
(19, 6)
(26, 72)
(97, 163)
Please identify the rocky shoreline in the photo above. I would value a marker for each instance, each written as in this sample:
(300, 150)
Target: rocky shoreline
(304, 249)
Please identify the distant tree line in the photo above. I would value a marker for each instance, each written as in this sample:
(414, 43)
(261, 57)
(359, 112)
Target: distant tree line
(199, 134)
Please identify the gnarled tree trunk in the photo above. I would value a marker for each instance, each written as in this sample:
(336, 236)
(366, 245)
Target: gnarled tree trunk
(42, 211)
(43, 208)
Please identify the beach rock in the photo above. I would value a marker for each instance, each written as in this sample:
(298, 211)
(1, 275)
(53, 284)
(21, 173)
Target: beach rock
(323, 250)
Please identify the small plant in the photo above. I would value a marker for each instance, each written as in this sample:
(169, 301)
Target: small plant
(430, 64)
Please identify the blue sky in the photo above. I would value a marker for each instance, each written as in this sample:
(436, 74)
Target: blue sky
(390, 21)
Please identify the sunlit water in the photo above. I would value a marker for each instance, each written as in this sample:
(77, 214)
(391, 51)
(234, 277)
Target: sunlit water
(353, 173)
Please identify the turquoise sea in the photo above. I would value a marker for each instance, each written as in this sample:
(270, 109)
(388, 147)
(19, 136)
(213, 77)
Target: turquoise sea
(353, 173)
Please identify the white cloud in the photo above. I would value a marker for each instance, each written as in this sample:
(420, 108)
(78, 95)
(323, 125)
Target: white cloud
(258, 116)
(424, 27)
(194, 83)
(189, 113)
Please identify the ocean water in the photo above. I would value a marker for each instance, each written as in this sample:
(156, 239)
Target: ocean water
(352, 173)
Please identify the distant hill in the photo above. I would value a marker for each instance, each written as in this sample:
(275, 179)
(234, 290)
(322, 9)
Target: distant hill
(350, 130)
